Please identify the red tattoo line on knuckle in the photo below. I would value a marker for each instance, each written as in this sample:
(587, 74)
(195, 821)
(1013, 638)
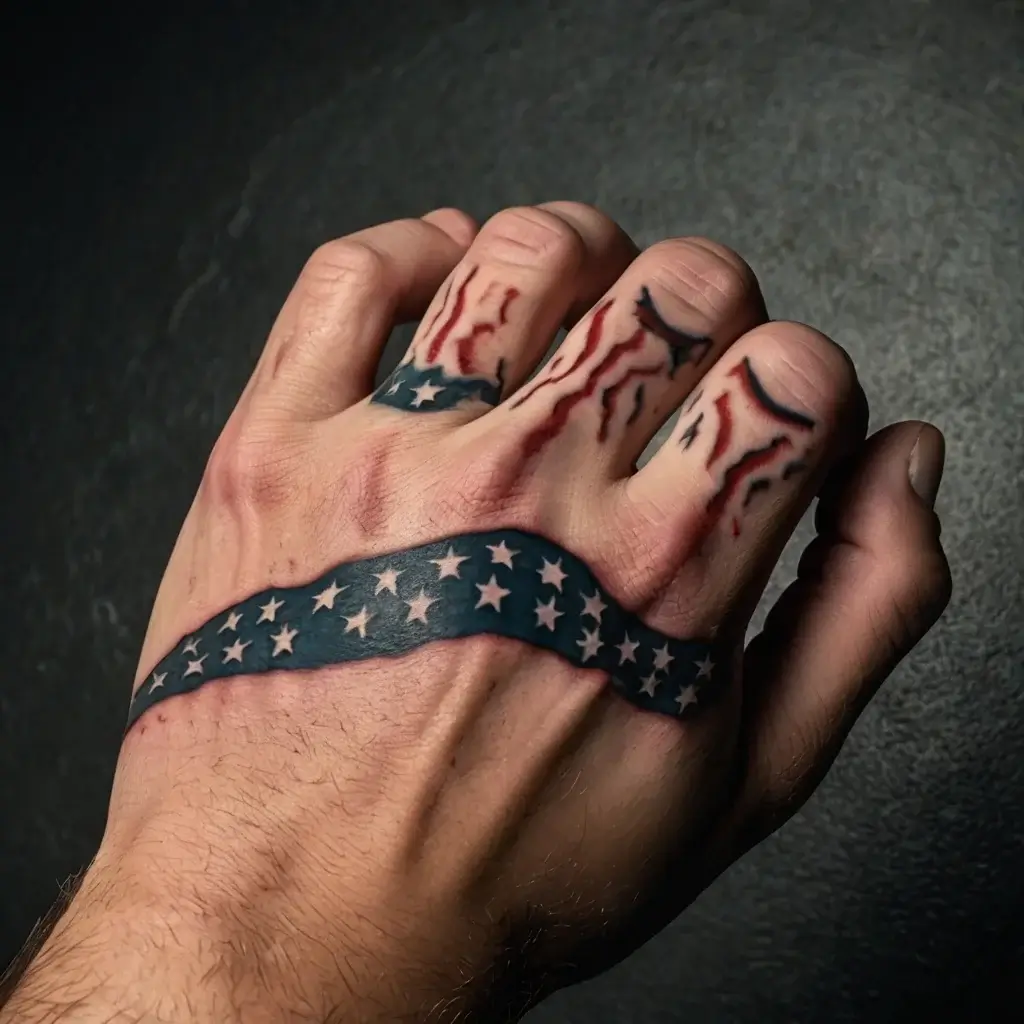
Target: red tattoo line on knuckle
(466, 346)
(440, 309)
(723, 436)
(511, 294)
(734, 476)
(559, 415)
(449, 325)
(611, 393)
(590, 345)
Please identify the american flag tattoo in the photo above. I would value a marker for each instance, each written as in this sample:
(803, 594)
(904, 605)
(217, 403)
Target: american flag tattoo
(430, 389)
(507, 582)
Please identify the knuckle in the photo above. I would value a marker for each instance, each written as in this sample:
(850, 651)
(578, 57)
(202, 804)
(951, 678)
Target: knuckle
(703, 273)
(815, 355)
(456, 223)
(649, 544)
(247, 471)
(483, 483)
(527, 235)
(346, 260)
(803, 367)
(369, 489)
(588, 217)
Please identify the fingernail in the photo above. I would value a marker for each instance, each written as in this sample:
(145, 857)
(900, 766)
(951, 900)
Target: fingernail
(926, 461)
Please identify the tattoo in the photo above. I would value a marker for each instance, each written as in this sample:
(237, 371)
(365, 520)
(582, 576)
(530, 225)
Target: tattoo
(747, 464)
(681, 348)
(762, 483)
(724, 434)
(419, 388)
(691, 433)
(434, 349)
(755, 389)
(431, 389)
(590, 343)
(507, 583)
(757, 459)
(441, 306)
(610, 393)
(638, 403)
(537, 438)
(681, 345)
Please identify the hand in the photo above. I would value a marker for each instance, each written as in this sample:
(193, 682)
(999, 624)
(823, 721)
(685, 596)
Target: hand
(443, 703)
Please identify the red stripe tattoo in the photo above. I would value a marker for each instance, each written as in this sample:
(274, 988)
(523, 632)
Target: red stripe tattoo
(593, 339)
(449, 325)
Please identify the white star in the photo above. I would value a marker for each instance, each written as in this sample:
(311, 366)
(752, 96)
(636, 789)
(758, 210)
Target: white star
(425, 393)
(501, 554)
(687, 696)
(662, 658)
(195, 668)
(546, 614)
(593, 606)
(393, 390)
(234, 652)
(418, 607)
(283, 640)
(325, 599)
(651, 683)
(192, 647)
(704, 667)
(491, 594)
(388, 580)
(269, 610)
(590, 643)
(158, 680)
(449, 565)
(552, 573)
(231, 622)
(359, 621)
(627, 650)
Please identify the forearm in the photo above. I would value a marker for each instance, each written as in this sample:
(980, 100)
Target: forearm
(108, 961)
(115, 957)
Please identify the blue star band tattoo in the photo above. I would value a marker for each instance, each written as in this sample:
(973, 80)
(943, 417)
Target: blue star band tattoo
(507, 583)
(429, 389)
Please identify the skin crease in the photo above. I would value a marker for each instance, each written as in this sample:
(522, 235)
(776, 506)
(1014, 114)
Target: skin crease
(452, 832)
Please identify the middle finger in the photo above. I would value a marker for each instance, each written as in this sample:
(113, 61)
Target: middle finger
(620, 373)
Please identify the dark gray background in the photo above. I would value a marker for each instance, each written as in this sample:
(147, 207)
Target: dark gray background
(165, 180)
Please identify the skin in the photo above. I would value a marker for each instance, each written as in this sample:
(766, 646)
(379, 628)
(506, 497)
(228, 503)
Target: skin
(452, 828)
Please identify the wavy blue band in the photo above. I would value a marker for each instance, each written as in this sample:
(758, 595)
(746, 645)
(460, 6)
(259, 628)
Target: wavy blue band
(507, 583)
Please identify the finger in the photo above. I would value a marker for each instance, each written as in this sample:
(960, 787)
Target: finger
(324, 348)
(620, 373)
(746, 459)
(869, 587)
(456, 224)
(527, 270)
(620, 251)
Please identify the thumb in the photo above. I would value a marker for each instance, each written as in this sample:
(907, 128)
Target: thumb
(868, 588)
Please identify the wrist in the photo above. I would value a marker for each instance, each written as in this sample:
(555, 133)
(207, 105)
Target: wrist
(144, 946)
